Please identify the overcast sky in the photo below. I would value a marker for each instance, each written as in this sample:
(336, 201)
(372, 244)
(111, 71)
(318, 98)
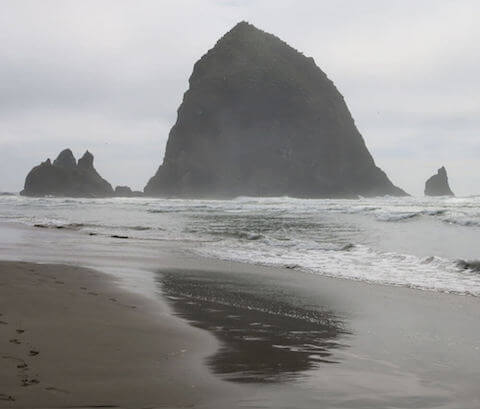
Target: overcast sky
(108, 76)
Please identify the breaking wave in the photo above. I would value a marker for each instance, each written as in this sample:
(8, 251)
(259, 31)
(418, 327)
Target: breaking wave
(362, 263)
(427, 243)
(462, 221)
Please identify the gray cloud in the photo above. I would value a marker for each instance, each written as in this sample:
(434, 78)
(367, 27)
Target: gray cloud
(109, 76)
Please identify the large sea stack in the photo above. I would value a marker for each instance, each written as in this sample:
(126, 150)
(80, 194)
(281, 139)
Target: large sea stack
(66, 177)
(438, 185)
(261, 119)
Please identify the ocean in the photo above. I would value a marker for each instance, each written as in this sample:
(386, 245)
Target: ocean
(430, 244)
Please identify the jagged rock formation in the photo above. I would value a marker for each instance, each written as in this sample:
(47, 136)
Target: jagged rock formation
(438, 185)
(125, 191)
(261, 119)
(66, 177)
(65, 160)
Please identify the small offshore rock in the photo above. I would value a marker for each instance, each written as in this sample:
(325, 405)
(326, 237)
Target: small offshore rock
(66, 178)
(437, 185)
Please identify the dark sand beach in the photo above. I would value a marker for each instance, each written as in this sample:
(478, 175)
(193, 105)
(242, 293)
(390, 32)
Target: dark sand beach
(70, 338)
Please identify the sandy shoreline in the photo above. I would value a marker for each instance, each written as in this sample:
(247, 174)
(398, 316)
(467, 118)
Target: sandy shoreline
(70, 338)
(309, 341)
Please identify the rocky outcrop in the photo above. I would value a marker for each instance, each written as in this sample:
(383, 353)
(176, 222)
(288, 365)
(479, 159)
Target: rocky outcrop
(438, 185)
(261, 119)
(66, 177)
(125, 191)
(473, 265)
(65, 160)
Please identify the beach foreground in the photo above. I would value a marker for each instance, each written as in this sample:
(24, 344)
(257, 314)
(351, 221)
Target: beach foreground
(70, 338)
(259, 337)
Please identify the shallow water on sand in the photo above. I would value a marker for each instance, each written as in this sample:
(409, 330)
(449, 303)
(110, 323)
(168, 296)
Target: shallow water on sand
(267, 334)
(322, 343)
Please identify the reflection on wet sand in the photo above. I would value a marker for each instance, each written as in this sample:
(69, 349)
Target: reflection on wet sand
(266, 334)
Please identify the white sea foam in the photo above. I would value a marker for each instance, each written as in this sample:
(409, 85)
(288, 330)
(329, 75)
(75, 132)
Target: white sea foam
(413, 242)
(360, 263)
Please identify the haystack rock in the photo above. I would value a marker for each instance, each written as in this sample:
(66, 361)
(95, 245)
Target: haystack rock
(438, 185)
(66, 177)
(261, 119)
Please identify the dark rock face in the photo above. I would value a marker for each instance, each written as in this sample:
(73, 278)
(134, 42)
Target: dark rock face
(261, 119)
(125, 191)
(473, 265)
(67, 178)
(86, 162)
(437, 185)
(66, 160)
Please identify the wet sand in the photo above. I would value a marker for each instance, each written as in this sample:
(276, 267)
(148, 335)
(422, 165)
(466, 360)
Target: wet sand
(264, 338)
(70, 338)
(372, 347)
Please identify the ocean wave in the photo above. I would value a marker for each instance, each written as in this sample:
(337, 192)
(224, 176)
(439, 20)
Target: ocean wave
(361, 209)
(339, 238)
(395, 217)
(362, 263)
(160, 211)
(347, 247)
(462, 221)
(245, 235)
(434, 212)
(140, 228)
